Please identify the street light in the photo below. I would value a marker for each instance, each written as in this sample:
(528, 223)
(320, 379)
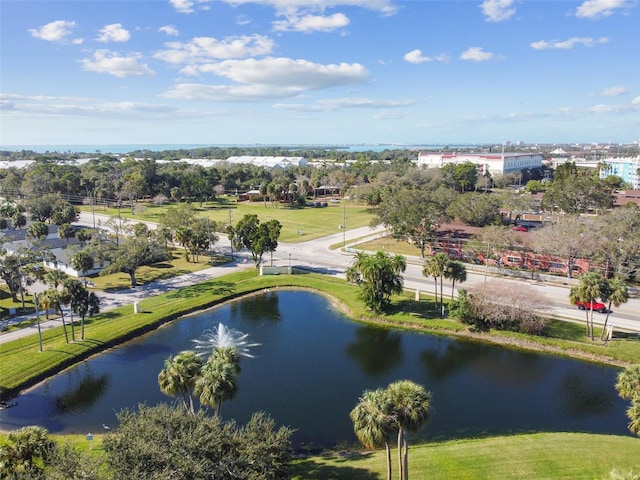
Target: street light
(344, 224)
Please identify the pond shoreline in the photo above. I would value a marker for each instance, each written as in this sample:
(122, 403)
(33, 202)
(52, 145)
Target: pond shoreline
(481, 337)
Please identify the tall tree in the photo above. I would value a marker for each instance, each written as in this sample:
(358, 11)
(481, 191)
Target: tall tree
(456, 272)
(38, 230)
(412, 213)
(258, 238)
(373, 422)
(411, 404)
(591, 287)
(616, 294)
(179, 376)
(24, 454)
(81, 301)
(55, 299)
(82, 261)
(628, 386)
(218, 380)
(379, 276)
(435, 267)
(128, 255)
(66, 231)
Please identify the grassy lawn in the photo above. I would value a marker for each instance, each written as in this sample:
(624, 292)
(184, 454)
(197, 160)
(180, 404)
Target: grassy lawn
(146, 274)
(534, 456)
(537, 456)
(299, 224)
(22, 364)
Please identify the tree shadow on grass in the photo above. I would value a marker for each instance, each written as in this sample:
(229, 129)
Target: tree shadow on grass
(219, 288)
(421, 309)
(312, 470)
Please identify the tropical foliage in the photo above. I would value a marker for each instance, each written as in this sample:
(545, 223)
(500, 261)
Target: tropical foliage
(628, 386)
(404, 407)
(379, 276)
(161, 443)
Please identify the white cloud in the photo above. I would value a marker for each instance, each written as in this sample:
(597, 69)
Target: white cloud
(415, 56)
(497, 10)
(79, 106)
(311, 23)
(203, 49)
(189, 6)
(269, 78)
(391, 115)
(343, 103)
(114, 33)
(169, 30)
(228, 93)
(476, 54)
(57, 31)
(600, 8)
(280, 71)
(614, 91)
(105, 61)
(568, 44)
(635, 101)
(386, 7)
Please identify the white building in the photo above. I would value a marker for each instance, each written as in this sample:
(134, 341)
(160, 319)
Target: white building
(494, 163)
(626, 168)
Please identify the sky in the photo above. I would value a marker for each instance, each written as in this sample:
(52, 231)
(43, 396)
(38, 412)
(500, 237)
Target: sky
(286, 72)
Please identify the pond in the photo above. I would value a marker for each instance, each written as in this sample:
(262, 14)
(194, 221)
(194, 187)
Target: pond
(312, 365)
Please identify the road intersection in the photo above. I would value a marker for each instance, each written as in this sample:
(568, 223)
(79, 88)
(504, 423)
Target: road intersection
(318, 256)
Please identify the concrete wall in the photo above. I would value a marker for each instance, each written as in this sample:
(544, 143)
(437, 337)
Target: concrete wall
(274, 270)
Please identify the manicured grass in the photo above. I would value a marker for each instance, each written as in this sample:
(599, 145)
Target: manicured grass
(174, 267)
(537, 456)
(392, 245)
(299, 224)
(22, 364)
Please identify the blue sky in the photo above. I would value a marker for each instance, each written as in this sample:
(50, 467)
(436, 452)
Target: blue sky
(318, 72)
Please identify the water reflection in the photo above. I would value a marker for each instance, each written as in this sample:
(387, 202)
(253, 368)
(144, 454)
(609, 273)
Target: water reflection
(376, 350)
(586, 397)
(263, 307)
(84, 390)
(313, 364)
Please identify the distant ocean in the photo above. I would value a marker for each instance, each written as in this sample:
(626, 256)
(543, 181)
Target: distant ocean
(122, 149)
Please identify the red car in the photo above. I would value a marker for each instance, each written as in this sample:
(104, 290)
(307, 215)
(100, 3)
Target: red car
(597, 306)
(520, 228)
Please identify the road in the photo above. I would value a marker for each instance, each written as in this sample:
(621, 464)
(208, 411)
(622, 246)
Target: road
(316, 255)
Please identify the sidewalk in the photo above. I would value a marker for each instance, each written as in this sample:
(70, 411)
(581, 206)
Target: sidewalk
(111, 300)
(129, 296)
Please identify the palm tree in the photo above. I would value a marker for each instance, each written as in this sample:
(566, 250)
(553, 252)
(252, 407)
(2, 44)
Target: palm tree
(55, 277)
(218, 380)
(373, 422)
(178, 377)
(52, 298)
(591, 287)
(83, 262)
(379, 276)
(456, 272)
(628, 386)
(81, 301)
(25, 453)
(436, 266)
(628, 382)
(411, 407)
(617, 294)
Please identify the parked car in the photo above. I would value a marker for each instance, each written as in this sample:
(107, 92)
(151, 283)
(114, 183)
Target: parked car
(521, 228)
(597, 306)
